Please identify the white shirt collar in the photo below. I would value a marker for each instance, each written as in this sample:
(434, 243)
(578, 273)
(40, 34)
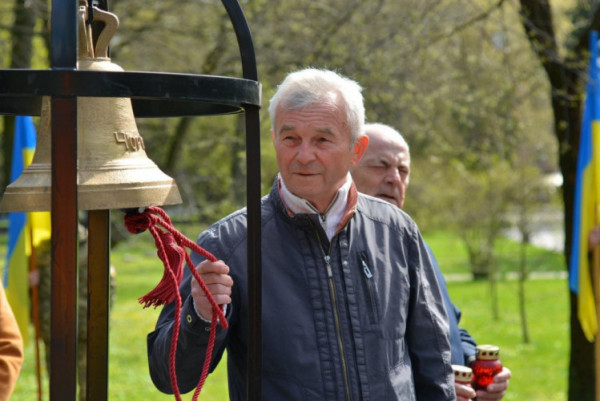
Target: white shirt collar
(332, 216)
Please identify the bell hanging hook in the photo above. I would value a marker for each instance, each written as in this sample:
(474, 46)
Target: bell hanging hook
(90, 18)
(91, 4)
(90, 13)
(86, 44)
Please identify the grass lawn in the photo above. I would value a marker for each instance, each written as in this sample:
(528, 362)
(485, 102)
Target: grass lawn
(451, 253)
(539, 368)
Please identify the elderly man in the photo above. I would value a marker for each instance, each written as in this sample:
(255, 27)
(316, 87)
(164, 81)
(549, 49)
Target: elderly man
(351, 306)
(384, 172)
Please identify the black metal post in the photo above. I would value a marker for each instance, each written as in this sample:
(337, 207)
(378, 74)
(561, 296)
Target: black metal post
(253, 195)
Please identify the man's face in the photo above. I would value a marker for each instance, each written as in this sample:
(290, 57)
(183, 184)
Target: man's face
(313, 151)
(384, 170)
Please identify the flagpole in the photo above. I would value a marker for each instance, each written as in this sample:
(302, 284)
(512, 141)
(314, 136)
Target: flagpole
(35, 308)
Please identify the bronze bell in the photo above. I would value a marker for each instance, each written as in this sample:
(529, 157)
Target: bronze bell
(113, 170)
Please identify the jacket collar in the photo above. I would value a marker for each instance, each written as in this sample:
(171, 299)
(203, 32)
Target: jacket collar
(336, 216)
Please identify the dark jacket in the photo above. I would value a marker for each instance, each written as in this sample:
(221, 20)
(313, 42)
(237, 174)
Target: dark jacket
(357, 318)
(461, 342)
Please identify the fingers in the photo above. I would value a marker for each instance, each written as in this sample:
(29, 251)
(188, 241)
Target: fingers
(497, 389)
(218, 282)
(218, 267)
(503, 376)
(464, 392)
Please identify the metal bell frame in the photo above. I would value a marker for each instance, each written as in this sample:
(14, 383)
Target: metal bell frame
(153, 94)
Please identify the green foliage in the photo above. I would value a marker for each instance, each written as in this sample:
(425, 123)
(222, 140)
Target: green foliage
(456, 93)
(456, 97)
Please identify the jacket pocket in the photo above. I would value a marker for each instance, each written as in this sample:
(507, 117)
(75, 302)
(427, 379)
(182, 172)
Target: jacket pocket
(368, 280)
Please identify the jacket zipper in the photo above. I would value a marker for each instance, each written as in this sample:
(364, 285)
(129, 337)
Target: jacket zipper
(327, 258)
(368, 283)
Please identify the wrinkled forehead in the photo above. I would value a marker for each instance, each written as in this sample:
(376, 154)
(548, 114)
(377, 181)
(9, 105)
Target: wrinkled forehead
(387, 149)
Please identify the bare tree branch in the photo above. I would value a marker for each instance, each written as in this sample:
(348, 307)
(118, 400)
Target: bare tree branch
(538, 24)
(326, 37)
(460, 27)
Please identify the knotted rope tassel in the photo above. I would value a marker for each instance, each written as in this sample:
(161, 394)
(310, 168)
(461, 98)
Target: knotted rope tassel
(171, 251)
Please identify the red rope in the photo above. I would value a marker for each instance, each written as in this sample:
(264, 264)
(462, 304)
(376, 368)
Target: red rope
(170, 245)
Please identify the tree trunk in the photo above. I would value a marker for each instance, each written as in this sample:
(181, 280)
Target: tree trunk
(522, 280)
(581, 363)
(238, 170)
(175, 144)
(494, 292)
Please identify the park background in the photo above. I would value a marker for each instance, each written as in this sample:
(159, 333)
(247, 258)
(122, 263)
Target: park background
(487, 94)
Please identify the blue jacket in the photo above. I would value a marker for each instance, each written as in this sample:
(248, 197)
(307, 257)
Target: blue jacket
(357, 318)
(461, 342)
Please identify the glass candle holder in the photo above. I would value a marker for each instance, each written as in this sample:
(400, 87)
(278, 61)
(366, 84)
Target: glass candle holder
(463, 375)
(486, 366)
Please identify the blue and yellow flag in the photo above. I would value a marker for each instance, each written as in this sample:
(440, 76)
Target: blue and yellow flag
(587, 198)
(24, 230)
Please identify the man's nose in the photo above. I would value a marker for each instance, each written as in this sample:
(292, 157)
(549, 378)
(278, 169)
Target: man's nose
(305, 153)
(393, 176)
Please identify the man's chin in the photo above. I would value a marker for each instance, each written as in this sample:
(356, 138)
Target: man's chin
(388, 199)
(303, 188)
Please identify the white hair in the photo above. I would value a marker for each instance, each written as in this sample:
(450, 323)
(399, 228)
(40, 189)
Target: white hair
(310, 86)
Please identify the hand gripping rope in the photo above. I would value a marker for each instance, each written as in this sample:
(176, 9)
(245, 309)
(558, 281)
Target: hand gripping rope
(170, 245)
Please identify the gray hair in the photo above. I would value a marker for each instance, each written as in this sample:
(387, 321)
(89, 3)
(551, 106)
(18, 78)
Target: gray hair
(310, 86)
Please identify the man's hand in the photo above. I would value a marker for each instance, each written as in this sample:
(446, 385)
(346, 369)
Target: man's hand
(219, 282)
(497, 389)
(464, 393)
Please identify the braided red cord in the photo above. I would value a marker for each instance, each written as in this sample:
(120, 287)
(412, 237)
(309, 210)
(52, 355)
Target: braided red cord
(171, 251)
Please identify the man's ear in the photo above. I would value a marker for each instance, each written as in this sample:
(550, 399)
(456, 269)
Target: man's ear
(359, 148)
(272, 136)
